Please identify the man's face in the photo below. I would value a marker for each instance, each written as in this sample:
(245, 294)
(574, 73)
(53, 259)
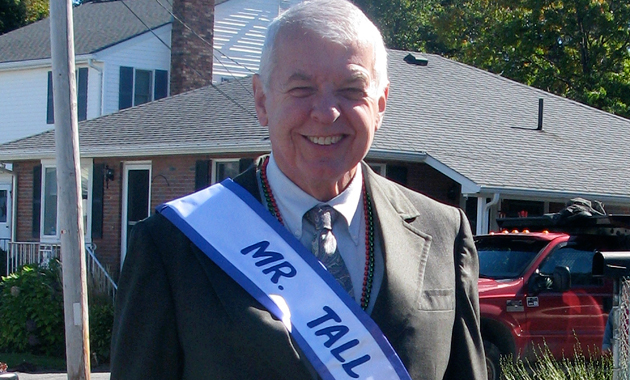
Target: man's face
(322, 109)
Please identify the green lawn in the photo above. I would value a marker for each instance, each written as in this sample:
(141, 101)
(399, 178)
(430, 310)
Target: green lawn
(29, 362)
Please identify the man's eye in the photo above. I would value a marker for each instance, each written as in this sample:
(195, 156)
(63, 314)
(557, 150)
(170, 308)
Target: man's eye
(353, 93)
(301, 92)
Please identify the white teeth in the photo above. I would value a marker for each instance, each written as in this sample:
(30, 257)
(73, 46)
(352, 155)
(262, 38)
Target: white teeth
(328, 140)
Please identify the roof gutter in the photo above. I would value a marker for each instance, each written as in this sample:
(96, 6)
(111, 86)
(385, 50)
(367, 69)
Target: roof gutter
(39, 63)
(529, 194)
(143, 151)
(30, 64)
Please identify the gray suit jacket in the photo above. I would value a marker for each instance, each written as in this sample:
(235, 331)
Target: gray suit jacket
(179, 316)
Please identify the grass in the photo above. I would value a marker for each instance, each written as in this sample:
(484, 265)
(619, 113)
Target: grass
(546, 367)
(32, 363)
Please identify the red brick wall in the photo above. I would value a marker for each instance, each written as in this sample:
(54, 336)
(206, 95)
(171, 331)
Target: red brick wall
(430, 182)
(108, 247)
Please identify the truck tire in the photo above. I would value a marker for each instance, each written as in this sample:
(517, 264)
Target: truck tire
(493, 360)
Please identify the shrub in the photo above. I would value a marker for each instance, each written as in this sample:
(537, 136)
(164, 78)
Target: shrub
(31, 308)
(101, 321)
(32, 315)
(546, 367)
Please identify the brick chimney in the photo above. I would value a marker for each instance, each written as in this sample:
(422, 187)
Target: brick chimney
(191, 57)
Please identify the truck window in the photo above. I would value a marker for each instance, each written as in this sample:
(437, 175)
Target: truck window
(503, 258)
(578, 261)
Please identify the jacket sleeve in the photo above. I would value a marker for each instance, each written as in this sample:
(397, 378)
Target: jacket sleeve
(144, 335)
(467, 360)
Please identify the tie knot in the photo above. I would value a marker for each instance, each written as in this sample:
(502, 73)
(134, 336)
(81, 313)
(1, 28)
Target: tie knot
(322, 216)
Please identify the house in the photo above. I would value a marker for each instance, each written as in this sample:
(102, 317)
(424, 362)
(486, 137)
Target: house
(457, 133)
(127, 53)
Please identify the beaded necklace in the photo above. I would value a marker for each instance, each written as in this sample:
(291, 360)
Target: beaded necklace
(368, 274)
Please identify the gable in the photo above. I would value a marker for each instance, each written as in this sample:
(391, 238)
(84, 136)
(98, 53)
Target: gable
(97, 25)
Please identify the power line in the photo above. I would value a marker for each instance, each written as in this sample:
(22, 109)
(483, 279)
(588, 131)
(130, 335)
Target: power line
(206, 42)
(249, 112)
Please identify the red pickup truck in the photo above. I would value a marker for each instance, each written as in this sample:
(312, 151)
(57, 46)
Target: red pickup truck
(537, 288)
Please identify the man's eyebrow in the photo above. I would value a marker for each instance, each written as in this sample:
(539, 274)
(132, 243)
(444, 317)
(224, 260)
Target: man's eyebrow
(299, 76)
(358, 76)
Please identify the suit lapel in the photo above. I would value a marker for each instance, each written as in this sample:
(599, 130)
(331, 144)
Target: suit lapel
(405, 252)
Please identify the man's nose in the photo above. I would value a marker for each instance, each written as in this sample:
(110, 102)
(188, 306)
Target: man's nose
(325, 109)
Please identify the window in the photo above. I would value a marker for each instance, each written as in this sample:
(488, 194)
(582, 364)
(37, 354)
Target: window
(379, 168)
(82, 88)
(4, 200)
(225, 169)
(578, 260)
(142, 89)
(49, 214)
(141, 86)
(49, 201)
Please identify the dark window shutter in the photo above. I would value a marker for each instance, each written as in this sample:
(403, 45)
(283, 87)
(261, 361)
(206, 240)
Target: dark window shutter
(50, 110)
(397, 174)
(161, 84)
(37, 199)
(125, 88)
(202, 174)
(82, 89)
(98, 178)
(244, 164)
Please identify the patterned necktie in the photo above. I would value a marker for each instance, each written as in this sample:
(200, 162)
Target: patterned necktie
(324, 245)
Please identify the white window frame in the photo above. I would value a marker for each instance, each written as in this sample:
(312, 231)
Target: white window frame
(379, 167)
(128, 166)
(151, 85)
(216, 162)
(87, 206)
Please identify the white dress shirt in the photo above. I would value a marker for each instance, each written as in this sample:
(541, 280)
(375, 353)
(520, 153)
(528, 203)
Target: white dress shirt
(349, 228)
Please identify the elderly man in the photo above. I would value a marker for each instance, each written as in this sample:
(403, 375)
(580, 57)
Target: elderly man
(308, 265)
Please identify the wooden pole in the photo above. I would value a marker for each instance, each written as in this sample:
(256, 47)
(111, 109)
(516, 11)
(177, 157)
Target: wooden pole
(69, 190)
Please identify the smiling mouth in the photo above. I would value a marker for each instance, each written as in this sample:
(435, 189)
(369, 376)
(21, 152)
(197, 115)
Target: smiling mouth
(328, 140)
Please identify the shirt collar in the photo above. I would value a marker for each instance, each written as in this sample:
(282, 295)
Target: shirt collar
(293, 202)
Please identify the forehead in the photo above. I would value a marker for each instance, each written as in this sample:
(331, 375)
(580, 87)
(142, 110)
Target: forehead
(302, 55)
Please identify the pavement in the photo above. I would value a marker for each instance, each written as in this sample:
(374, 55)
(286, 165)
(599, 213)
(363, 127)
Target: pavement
(58, 376)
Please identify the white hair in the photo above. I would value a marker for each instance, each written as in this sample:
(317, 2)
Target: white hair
(337, 21)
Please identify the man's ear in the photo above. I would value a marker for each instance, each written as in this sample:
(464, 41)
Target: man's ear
(382, 105)
(259, 100)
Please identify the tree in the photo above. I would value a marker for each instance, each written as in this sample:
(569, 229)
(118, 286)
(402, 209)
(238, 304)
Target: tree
(577, 48)
(17, 13)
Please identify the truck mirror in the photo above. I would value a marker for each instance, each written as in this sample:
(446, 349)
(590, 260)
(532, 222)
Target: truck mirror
(561, 279)
(539, 282)
(611, 264)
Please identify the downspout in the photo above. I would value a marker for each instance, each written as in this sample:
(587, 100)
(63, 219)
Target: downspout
(483, 212)
(100, 82)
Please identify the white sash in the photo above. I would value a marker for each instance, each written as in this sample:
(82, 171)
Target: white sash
(230, 226)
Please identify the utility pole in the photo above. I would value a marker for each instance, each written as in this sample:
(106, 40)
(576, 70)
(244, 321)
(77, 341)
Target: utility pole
(69, 190)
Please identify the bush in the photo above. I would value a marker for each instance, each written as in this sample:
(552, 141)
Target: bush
(101, 321)
(546, 367)
(32, 315)
(31, 308)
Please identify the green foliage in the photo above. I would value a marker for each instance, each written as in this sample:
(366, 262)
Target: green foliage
(101, 321)
(577, 49)
(17, 13)
(31, 309)
(545, 367)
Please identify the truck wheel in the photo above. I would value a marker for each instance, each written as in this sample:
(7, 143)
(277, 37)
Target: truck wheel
(493, 362)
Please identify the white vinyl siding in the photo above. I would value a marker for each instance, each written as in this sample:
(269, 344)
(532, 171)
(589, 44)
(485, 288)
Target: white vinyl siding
(239, 33)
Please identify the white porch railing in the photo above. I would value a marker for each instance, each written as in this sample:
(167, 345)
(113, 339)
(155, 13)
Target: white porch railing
(20, 253)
